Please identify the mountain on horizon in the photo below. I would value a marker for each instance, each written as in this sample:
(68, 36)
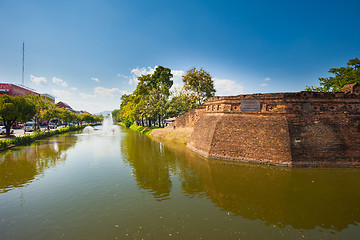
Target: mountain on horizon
(104, 113)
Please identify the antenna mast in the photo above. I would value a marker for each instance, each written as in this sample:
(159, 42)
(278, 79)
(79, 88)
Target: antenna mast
(23, 60)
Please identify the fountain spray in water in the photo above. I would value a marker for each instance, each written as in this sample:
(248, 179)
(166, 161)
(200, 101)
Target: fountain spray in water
(108, 127)
(88, 130)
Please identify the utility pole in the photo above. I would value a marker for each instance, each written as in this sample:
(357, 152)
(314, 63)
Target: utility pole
(23, 62)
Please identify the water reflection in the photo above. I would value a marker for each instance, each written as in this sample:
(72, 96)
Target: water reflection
(21, 165)
(150, 164)
(301, 198)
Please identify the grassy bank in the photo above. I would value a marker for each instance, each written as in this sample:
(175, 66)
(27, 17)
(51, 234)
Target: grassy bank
(141, 129)
(12, 142)
(179, 135)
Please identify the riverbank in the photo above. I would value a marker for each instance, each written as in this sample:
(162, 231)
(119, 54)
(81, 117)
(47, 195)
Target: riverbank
(179, 135)
(6, 144)
(141, 129)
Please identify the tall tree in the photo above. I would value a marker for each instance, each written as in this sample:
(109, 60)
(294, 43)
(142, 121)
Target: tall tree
(66, 116)
(42, 106)
(48, 113)
(342, 76)
(15, 109)
(181, 102)
(200, 82)
(161, 84)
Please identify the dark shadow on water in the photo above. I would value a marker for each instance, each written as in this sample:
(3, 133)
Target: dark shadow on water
(302, 198)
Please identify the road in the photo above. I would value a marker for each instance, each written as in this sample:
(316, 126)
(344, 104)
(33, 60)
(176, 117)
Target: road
(20, 132)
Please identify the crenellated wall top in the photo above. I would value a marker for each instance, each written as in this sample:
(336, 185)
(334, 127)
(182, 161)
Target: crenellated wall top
(282, 103)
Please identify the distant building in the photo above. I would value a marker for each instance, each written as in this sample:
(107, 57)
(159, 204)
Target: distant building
(48, 97)
(15, 90)
(83, 112)
(67, 107)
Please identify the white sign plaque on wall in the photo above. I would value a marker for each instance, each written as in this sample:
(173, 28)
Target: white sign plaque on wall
(250, 105)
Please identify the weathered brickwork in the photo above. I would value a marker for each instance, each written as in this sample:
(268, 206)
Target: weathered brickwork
(189, 119)
(243, 137)
(294, 129)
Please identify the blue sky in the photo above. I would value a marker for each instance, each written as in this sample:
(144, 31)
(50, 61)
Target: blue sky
(88, 53)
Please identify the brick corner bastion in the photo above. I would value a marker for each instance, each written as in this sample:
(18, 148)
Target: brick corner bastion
(289, 129)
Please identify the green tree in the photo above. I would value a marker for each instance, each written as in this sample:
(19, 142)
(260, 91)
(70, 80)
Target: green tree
(342, 76)
(160, 92)
(129, 108)
(66, 116)
(149, 98)
(15, 109)
(48, 113)
(88, 118)
(181, 102)
(42, 106)
(116, 115)
(201, 83)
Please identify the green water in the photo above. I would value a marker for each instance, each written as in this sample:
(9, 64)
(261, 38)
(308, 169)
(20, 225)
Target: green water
(77, 186)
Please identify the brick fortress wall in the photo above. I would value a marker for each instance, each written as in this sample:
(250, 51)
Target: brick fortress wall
(297, 129)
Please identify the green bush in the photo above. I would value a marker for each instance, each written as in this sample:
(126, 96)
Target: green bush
(128, 123)
(36, 135)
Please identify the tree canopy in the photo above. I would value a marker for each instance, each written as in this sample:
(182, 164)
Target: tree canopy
(23, 108)
(342, 76)
(152, 101)
(15, 109)
(200, 82)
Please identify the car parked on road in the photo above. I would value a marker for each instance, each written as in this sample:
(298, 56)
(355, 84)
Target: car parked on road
(29, 126)
(18, 126)
(3, 130)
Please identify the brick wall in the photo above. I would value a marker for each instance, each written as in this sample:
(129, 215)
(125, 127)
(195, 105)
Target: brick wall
(189, 119)
(250, 138)
(298, 129)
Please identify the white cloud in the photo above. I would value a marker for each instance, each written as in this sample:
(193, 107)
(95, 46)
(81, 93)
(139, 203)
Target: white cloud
(95, 79)
(178, 73)
(38, 80)
(138, 72)
(108, 92)
(133, 80)
(101, 92)
(61, 93)
(263, 85)
(226, 87)
(267, 79)
(177, 78)
(123, 76)
(86, 96)
(59, 82)
(143, 71)
(73, 89)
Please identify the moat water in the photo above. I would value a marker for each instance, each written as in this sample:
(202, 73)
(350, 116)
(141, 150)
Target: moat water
(127, 186)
